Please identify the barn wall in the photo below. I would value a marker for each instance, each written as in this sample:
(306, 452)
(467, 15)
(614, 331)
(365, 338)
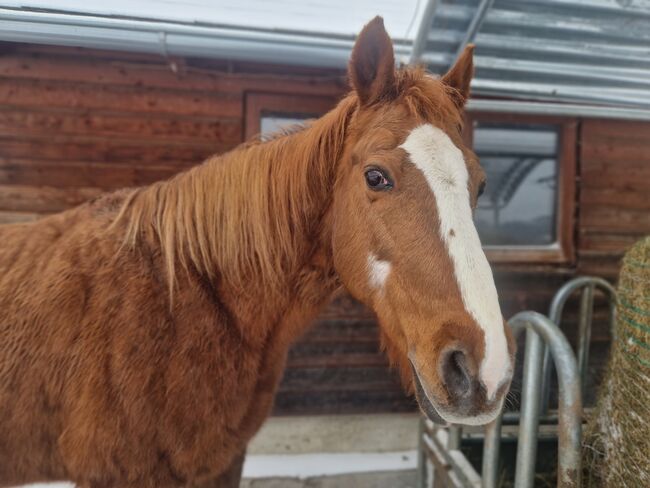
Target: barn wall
(81, 123)
(613, 203)
(75, 123)
(614, 192)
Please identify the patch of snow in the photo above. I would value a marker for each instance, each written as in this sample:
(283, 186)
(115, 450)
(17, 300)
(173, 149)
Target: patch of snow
(323, 464)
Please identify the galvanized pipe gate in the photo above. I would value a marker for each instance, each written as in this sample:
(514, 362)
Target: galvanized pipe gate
(546, 345)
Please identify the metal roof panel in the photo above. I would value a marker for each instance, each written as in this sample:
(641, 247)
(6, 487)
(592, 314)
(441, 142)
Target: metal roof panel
(585, 51)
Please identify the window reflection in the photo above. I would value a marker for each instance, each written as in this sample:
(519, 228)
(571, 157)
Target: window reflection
(272, 124)
(518, 206)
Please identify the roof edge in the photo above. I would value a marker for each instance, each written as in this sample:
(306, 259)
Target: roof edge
(558, 109)
(178, 39)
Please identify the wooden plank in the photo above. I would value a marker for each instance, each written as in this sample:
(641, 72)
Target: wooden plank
(307, 378)
(117, 69)
(608, 242)
(614, 197)
(80, 174)
(601, 164)
(106, 150)
(610, 232)
(616, 174)
(315, 349)
(603, 255)
(335, 330)
(70, 66)
(614, 219)
(615, 152)
(34, 93)
(604, 266)
(622, 183)
(43, 199)
(337, 338)
(595, 131)
(170, 128)
(318, 386)
(335, 402)
(357, 360)
(50, 51)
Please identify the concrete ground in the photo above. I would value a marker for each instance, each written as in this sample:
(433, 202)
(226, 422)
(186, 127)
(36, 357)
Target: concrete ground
(336, 433)
(384, 479)
(338, 451)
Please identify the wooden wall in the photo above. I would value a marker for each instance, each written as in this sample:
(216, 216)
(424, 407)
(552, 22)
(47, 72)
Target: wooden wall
(613, 204)
(81, 122)
(614, 192)
(75, 123)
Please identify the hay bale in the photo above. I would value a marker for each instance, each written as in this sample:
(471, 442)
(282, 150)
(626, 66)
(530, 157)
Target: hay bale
(617, 438)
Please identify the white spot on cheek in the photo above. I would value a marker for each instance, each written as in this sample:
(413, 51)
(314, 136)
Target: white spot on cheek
(443, 165)
(378, 272)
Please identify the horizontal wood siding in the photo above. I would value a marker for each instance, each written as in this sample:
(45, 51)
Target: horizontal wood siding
(75, 123)
(614, 206)
(614, 193)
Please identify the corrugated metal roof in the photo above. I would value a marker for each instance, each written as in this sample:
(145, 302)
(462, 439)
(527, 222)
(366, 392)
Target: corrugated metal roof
(579, 51)
(309, 33)
(339, 18)
(584, 51)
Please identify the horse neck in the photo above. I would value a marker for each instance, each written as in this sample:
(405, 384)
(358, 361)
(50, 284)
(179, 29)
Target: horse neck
(254, 221)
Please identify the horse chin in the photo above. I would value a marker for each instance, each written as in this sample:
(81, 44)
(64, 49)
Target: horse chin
(425, 404)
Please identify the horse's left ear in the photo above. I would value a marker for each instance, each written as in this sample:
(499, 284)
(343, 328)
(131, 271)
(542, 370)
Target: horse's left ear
(460, 76)
(372, 64)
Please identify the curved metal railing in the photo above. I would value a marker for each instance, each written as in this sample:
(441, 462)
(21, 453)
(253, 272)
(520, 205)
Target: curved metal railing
(540, 332)
(546, 346)
(588, 284)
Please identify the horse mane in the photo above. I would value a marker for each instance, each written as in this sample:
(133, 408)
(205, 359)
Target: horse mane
(241, 214)
(244, 215)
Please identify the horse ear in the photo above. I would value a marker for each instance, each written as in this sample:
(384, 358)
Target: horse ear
(372, 64)
(460, 76)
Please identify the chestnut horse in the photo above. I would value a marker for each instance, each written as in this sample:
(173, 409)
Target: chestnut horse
(143, 334)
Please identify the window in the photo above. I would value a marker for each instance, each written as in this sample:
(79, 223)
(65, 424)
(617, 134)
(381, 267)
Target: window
(267, 113)
(519, 205)
(526, 211)
(272, 123)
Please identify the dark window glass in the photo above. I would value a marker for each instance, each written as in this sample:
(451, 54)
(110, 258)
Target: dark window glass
(518, 206)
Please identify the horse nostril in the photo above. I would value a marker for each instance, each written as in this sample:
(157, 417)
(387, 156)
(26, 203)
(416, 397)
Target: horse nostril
(456, 375)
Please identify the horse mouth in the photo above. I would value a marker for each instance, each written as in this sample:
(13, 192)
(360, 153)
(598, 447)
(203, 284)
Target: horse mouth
(425, 404)
(464, 417)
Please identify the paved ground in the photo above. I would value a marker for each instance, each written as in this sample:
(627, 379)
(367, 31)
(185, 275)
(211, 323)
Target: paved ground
(336, 451)
(336, 433)
(384, 479)
(387, 479)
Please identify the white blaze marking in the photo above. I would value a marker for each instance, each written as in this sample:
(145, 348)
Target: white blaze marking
(443, 165)
(378, 272)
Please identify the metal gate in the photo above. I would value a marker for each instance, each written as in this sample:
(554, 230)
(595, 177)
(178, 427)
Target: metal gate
(546, 346)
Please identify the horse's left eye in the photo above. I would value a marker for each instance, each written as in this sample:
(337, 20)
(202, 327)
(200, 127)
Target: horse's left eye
(376, 179)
